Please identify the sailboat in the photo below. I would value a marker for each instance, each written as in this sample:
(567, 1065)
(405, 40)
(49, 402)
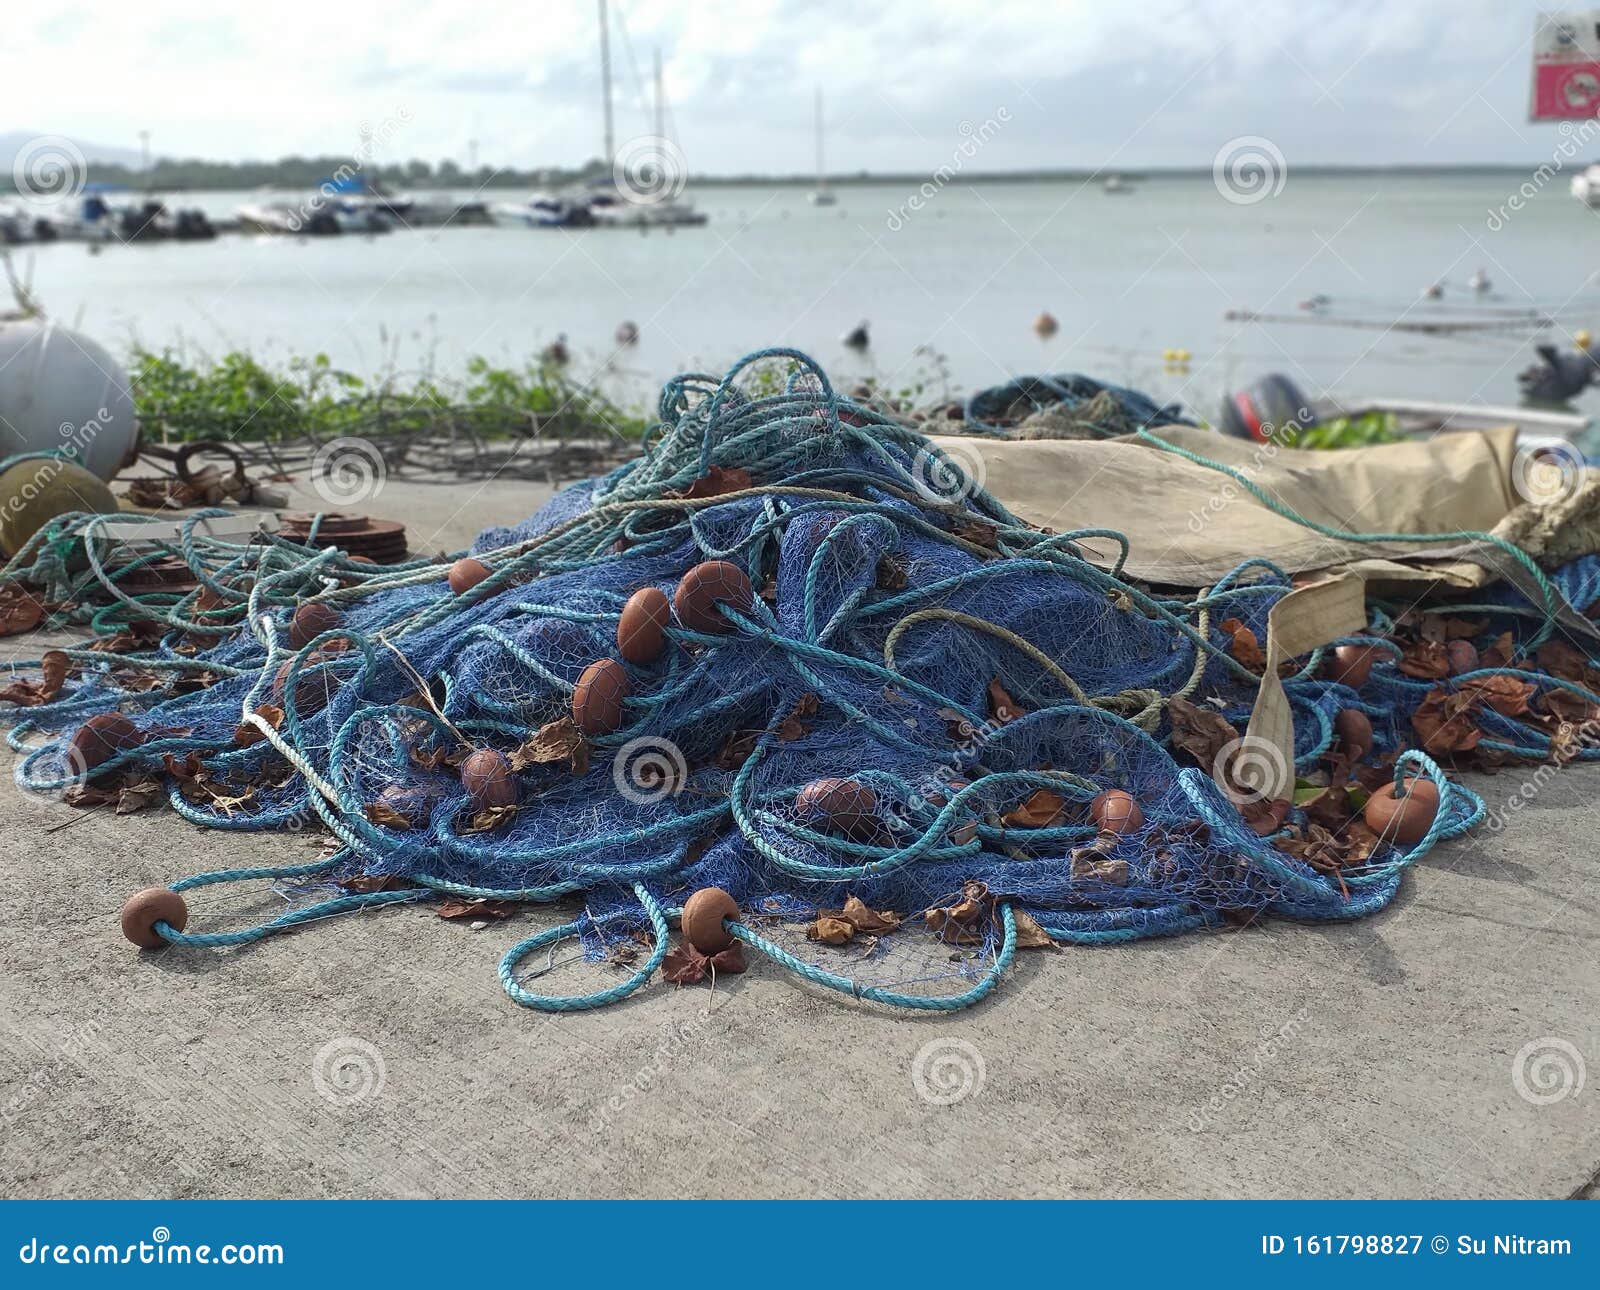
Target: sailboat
(821, 195)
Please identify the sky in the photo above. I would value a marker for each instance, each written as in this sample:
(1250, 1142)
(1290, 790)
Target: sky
(1042, 83)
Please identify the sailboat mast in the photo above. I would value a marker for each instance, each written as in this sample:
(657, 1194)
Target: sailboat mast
(605, 83)
(821, 180)
(661, 111)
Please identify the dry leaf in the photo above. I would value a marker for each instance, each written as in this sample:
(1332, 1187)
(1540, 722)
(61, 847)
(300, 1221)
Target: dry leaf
(1002, 707)
(483, 908)
(19, 611)
(1426, 660)
(246, 733)
(794, 725)
(53, 668)
(1245, 647)
(830, 930)
(558, 740)
(719, 480)
(1030, 936)
(1445, 722)
(136, 796)
(1041, 810)
(386, 817)
(1200, 732)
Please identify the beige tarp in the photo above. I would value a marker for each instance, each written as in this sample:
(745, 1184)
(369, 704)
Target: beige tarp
(1188, 524)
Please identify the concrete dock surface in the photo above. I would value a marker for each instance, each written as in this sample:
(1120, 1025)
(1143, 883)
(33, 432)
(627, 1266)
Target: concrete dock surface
(1449, 1046)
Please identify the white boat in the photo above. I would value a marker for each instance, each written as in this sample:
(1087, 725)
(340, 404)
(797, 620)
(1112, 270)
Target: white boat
(542, 210)
(821, 195)
(1586, 186)
(1115, 185)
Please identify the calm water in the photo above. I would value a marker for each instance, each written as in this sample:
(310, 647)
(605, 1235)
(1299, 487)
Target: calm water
(1128, 277)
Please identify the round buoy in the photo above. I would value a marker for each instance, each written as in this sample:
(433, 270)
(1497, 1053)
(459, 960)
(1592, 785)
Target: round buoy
(706, 586)
(1353, 733)
(641, 629)
(102, 737)
(840, 805)
(310, 621)
(1463, 656)
(467, 573)
(32, 493)
(62, 392)
(703, 915)
(1404, 815)
(1352, 664)
(144, 909)
(597, 698)
(1115, 811)
(488, 779)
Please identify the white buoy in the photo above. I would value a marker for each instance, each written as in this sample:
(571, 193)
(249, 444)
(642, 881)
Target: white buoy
(59, 390)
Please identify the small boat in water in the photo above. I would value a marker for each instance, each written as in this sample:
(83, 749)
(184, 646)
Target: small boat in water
(1115, 185)
(1586, 186)
(542, 210)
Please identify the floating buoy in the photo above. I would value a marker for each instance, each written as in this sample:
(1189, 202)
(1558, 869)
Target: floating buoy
(1403, 815)
(32, 493)
(310, 621)
(1115, 811)
(627, 333)
(703, 915)
(466, 573)
(1353, 733)
(597, 698)
(488, 779)
(102, 737)
(839, 805)
(641, 628)
(1463, 656)
(703, 588)
(1045, 325)
(1352, 664)
(857, 337)
(144, 909)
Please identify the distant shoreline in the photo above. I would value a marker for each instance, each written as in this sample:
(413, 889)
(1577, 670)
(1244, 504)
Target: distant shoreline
(170, 177)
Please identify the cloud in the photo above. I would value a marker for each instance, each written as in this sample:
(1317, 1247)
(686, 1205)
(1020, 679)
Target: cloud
(1086, 82)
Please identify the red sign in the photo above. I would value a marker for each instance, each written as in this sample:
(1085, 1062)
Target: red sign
(1566, 67)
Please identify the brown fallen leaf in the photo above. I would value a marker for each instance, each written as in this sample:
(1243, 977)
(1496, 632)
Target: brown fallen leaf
(138, 795)
(685, 965)
(830, 930)
(365, 883)
(794, 725)
(20, 611)
(1090, 864)
(1030, 936)
(558, 740)
(482, 908)
(386, 817)
(1041, 810)
(27, 693)
(246, 734)
(1426, 660)
(1245, 647)
(1202, 733)
(1505, 694)
(491, 818)
(1497, 654)
(1446, 723)
(1002, 707)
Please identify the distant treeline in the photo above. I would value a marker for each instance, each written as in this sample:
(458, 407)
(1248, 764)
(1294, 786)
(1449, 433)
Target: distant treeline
(170, 175)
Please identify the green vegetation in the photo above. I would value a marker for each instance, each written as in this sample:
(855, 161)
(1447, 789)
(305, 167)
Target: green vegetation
(1350, 432)
(237, 397)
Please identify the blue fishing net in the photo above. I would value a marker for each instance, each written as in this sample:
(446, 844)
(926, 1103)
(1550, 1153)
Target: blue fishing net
(975, 683)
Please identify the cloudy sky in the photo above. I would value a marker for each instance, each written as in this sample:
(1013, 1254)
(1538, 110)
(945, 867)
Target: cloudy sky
(1078, 83)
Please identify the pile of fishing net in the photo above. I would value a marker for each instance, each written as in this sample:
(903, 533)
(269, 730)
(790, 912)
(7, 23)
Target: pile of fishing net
(860, 718)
